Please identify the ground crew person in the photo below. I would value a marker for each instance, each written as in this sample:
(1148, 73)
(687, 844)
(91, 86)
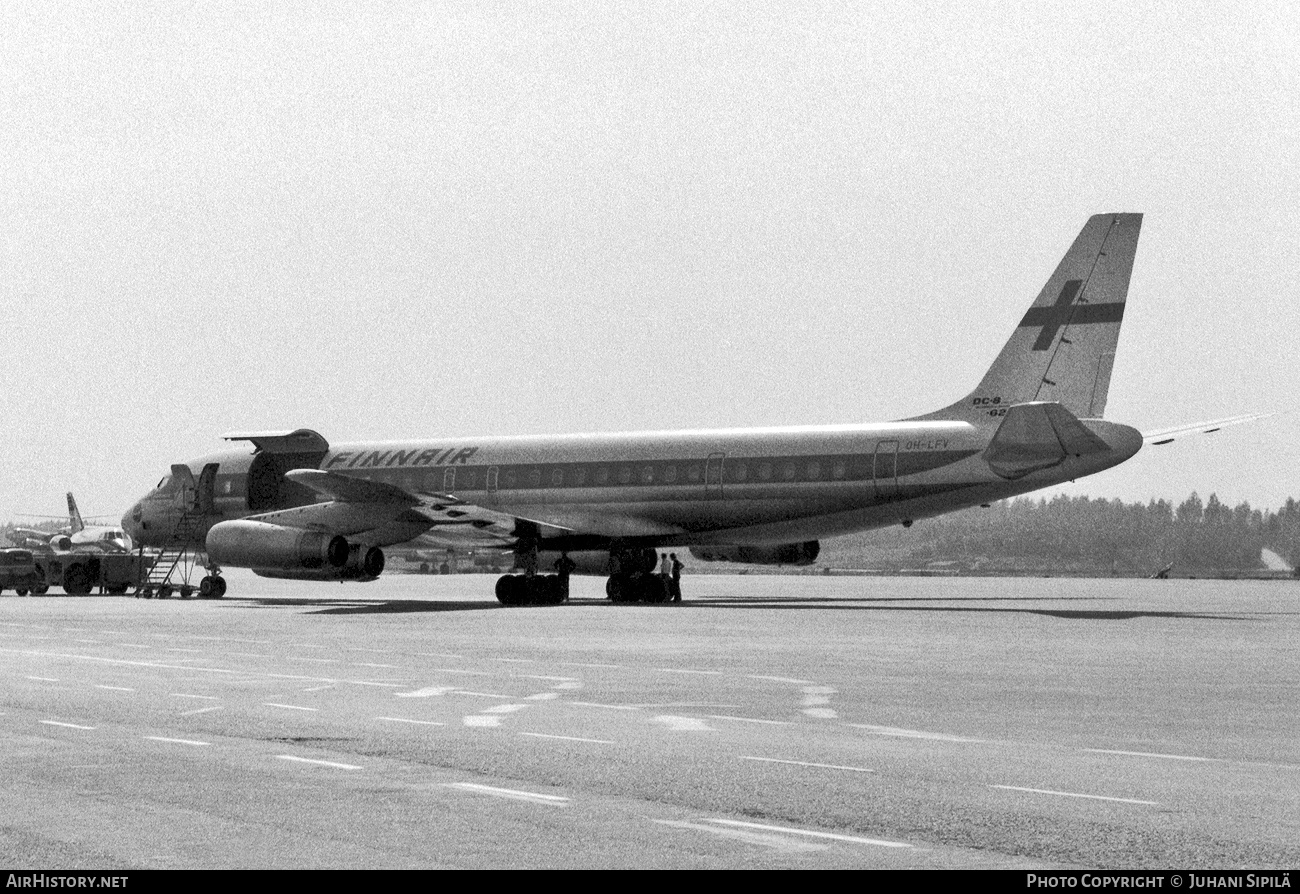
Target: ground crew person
(675, 585)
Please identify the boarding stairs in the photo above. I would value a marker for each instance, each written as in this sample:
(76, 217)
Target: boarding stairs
(180, 554)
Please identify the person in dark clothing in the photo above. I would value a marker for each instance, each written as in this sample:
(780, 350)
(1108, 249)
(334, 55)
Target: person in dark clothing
(675, 584)
(564, 567)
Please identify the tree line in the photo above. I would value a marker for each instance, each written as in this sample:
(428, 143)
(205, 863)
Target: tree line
(1128, 538)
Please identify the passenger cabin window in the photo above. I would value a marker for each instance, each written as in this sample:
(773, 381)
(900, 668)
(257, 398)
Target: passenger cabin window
(648, 475)
(670, 474)
(557, 478)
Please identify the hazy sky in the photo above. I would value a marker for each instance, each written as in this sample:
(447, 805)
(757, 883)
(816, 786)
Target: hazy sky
(385, 220)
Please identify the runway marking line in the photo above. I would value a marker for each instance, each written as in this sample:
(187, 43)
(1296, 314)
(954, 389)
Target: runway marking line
(762, 839)
(367, 664)
(829, 836)
(911, 733)
(319, 688)
(517, 660)
(114, 688)
(68, 725)
(589, 664)
(480, 694)
(1048, 791)
(1171, 757)
(610, 707)
(777, 760)
(199, 711)
(176, 741)
(510, 793)
(375, 683)
(408, 720)
(307, 760)
(749, 720)
(789, 680)
(290, 707)
(684, 670)
(569, 738)
(210, 698)
(44, 679)
(545, 677)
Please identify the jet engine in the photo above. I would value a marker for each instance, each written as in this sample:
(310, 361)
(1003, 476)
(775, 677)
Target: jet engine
(61, 542)
(783, 554)
(253, 544)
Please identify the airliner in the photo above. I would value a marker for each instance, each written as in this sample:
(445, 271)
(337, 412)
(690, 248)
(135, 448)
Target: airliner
(289, 504)
(77, 535)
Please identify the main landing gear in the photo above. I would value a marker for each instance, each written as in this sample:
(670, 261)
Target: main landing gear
(634, 578)
(534, 589)
(531, 588)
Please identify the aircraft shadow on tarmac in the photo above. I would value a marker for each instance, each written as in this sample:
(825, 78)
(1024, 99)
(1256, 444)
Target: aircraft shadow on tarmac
(877, 604)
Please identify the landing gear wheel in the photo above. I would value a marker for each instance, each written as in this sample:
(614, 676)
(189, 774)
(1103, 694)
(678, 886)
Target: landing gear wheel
(221, 587)
(21, 592)
(653, 589)
(117, 590)
(164, 592)
(187, 591)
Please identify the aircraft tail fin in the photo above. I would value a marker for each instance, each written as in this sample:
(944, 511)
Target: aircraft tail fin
(74, 516)
(1063, 348)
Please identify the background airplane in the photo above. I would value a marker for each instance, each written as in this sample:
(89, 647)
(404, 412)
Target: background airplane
(75, 535)
(289, 504)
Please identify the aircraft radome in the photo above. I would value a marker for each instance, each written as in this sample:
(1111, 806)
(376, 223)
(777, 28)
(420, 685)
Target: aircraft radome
(292, 505)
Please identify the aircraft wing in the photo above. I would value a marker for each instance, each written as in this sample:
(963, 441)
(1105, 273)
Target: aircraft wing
(378, 514)
(1167, 435)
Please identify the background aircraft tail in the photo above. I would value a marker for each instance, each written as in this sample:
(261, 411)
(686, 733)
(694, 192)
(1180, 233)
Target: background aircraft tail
(1064, 347)
(75, 524)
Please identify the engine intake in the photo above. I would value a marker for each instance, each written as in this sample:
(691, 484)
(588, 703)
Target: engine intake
(782, 554)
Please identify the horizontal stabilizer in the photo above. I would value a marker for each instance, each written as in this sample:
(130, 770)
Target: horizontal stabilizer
(1036, 436)
(1167, 435)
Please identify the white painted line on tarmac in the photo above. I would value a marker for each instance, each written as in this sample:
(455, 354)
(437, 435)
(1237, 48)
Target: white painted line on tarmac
(409, 720)
(503, 709)
(426, 692)
(569, 738)
(481, 694)
(590, 664)
(910, 733)
(1170, 757)
(210, 698)
(290, 707)
(609, 707)
(829, 836)
(369, 664)
(176, 741)
(762, 839)
(319, 688)
(68, 725)
(789, 680)
(686, 670)
(748, 719)
(777, 760)
(89, 642)
(545, 677)
(43, 679)
(1048, 791)
(314, 660)
(457, 670)
(114, 688)
(191, 651)
(372, 651)
(246, 655)
(517, 660)
(512, 794)
(134, 646)
(375, 683)
(307, 760)
(541, 697)
(683, 724)
(198, 711)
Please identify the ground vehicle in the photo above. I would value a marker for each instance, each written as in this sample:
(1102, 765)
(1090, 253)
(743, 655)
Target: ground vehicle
(79, 573)
(18, 570)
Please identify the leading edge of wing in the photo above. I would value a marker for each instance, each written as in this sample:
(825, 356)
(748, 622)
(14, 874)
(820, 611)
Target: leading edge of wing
(440, 509)
(1164, 436)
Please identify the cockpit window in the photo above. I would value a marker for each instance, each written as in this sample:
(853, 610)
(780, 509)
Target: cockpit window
(166, 485)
